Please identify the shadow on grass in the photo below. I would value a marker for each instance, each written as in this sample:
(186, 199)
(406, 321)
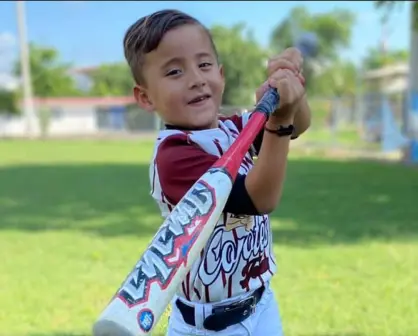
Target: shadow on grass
(75, 334)
(163, 334)
(327, 334)
(58, 334)
(325, 202)
(109, 200)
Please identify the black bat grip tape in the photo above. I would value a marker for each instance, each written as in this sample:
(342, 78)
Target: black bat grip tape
(269, 102)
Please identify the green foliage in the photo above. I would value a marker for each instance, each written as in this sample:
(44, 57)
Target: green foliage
(243, 60)
(50, 76)
(8, 102)
(388, 6)
(375, 59)
(338, 79)
(333, 30)
(242, 57)
(112, 80)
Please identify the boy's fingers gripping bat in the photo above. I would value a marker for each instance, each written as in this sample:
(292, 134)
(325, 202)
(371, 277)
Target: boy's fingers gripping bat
(144, 295)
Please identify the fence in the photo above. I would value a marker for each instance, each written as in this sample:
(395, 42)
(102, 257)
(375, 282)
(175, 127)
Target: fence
(354, 122)
(348, 122)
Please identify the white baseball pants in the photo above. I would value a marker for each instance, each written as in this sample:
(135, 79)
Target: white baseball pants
(265, 321)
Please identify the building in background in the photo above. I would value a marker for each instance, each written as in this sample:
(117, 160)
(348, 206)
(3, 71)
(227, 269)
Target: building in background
(82, 116)
(388, 80)
(385, 89)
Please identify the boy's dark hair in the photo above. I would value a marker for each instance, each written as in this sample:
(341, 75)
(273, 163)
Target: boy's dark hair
(146, 34)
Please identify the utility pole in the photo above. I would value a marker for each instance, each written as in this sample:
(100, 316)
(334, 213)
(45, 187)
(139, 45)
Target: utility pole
(412, 121)
(384, 36)
(29, 110)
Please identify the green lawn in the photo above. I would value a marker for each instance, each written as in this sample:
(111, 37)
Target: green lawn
(75, 216)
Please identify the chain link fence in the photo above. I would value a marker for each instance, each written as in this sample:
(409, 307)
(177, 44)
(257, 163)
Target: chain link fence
(354, 122)
(351, 122)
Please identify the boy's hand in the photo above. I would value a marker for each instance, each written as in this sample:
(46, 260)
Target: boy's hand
(284, 74)
(290, 59)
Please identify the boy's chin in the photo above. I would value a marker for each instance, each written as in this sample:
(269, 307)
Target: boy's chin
(205, 122)
(209, 123)
(201, 127)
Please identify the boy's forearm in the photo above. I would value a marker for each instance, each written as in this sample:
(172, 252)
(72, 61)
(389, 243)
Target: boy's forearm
(302, 119)
(264, 182)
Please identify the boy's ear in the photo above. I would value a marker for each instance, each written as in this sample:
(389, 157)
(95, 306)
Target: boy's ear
(142, 98)
(221, 72)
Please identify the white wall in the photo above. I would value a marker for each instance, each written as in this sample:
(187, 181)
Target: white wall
(65, 120)
(12, 126)
(73, 121)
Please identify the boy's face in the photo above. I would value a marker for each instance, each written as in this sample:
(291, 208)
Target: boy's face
(184, 82)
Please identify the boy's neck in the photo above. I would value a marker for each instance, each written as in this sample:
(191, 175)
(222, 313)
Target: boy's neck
(183, 128)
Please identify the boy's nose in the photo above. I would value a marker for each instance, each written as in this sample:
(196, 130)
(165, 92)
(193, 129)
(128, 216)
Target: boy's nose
(197, 84)
(196, 79)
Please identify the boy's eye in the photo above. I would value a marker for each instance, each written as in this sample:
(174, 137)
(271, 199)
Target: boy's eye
(205, 65)
(173, 72)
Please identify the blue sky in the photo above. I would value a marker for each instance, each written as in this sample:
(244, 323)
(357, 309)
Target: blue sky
(90, 33)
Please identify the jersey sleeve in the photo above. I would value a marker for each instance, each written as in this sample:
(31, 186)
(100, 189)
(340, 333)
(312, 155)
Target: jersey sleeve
(180, 163)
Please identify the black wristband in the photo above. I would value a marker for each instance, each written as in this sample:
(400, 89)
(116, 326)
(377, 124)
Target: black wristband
(281, 130)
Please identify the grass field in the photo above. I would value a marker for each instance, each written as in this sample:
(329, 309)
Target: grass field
(75, 216)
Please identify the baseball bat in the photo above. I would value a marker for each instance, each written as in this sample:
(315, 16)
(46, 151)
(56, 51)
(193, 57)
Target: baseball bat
(141, 300)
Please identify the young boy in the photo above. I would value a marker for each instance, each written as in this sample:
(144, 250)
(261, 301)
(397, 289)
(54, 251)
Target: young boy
(175, 66)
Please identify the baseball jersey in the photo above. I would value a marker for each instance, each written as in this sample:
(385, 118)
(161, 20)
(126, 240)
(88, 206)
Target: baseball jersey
(239, 255)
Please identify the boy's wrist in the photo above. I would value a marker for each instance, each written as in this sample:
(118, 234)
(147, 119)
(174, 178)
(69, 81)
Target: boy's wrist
(277, 121)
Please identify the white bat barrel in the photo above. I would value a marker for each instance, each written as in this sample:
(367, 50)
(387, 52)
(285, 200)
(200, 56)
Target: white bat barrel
(148, 290)
(118, 320)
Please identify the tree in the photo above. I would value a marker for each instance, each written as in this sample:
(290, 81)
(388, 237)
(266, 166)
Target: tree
(375, 59)
(338, 79)
(8, 102)
(50, 77)
(333, 31)
(244, 63)
(111, 80)
(388, 6)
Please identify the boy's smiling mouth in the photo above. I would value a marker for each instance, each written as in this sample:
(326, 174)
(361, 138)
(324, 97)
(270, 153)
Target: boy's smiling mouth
(198, 100)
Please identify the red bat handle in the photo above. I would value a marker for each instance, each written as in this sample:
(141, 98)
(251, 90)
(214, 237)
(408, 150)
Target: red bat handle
(232, 158)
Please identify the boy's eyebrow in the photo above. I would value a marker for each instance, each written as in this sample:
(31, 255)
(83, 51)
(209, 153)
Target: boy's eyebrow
(176, 60)
(173, 60)
(204, 54)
